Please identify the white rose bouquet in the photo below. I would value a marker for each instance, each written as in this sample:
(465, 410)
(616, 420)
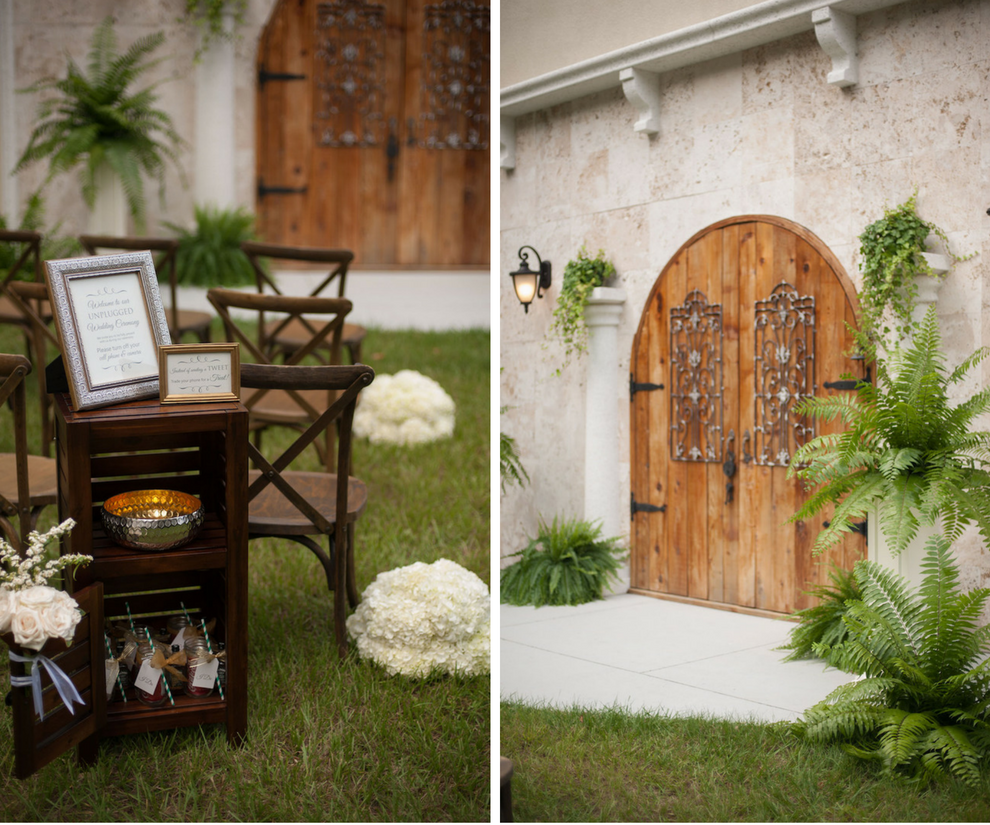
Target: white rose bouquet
(34, 612)
(31, 610)
(405, 408)
(415, 619)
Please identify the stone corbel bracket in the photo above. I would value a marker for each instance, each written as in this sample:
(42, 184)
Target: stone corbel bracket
(642, 90)
(836, 33)
(507, 142)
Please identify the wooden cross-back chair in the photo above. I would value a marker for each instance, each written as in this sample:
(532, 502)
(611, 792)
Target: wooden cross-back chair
(33, 302)
(18, 311)
(28, 483)
(180, 321)
(287, 335)
(293, 407)
(302, 505)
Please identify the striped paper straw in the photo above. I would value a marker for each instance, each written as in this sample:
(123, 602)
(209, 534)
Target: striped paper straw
(168, 690)
(209, 647)
(120, 682)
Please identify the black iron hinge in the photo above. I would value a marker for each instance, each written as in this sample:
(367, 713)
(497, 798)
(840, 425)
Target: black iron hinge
(264, 76)
(856, 526)
(635, 387)
(277, 190)
(636, 507)
(849, 384)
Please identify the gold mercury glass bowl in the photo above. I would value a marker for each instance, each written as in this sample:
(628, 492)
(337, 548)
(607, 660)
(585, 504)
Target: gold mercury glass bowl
(152, 519)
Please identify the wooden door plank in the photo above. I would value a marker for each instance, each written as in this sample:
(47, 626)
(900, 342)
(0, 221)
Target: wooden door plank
(729, 535)
(747, 485)
(639, 463)
(658, 443)
(678, 490)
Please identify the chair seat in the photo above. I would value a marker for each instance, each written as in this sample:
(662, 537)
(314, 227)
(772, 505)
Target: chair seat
(191, 321)
(272, 512)
(278, 407)
(42, 474)
(295, 334)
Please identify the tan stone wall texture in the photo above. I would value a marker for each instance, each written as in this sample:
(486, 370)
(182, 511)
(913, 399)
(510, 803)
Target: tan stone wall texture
(45, 31)
(760, 132)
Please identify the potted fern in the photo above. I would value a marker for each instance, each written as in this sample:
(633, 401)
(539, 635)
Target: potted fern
(908, 457)
(94, 120)
(568, 563)
(895, 265)
(581, 276)
(210, 254)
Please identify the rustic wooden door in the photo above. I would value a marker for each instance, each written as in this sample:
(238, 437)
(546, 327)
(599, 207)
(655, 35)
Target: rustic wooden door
(373, 129)
(748, 317)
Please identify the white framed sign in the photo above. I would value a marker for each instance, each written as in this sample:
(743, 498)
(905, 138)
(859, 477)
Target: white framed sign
(110, 321)
(199, 372)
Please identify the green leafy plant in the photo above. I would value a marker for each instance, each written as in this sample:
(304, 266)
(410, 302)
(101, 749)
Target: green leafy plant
(581, 275)
(567, 563)
(891, 257)
(822, 623)
(511, 469)
(210, 254)
(923, 707)
(53, 245)
(905, 446)
(209, 16)
(94, 120)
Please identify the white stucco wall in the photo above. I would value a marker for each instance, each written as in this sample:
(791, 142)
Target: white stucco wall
(45, 31)
(539, 36)
(759, 131)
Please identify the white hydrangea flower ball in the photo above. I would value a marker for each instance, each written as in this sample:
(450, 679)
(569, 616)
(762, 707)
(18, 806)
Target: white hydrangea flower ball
(423, 616)
(405, 408)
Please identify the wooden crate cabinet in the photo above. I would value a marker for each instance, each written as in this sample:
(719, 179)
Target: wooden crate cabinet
(197, 448)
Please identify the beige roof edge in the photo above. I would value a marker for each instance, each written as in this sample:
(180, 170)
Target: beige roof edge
(754, 26)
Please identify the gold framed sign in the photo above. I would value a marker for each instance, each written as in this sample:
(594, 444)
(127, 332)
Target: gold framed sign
(199, 372)
(110, 322)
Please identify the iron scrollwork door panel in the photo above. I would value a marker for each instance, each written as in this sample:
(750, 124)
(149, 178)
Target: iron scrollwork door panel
(784, 373)
(696, 380)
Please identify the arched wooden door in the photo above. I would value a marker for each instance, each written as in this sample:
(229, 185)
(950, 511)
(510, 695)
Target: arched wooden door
(373, 129)
(748, 317)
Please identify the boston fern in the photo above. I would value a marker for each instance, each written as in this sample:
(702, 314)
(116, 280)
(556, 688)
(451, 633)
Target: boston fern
(95, 120)
(567, 563)
(211, 254)
(923, 707)
(904, 446)
(822, 624)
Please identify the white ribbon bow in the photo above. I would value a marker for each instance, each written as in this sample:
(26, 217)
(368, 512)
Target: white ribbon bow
(63, 684)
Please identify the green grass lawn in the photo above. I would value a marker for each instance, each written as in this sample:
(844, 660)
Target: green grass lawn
(608, 766)
(326, 740)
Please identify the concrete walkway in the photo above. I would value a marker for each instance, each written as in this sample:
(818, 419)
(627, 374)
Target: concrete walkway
(644, 653)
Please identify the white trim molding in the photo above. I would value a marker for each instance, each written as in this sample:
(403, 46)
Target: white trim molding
(836, 33)
(754, 26)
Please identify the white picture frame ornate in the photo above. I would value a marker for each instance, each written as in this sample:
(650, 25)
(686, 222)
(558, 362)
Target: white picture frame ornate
(110, 321)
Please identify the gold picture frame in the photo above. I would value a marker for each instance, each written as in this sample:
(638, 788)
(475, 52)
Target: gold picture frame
(197, 373)
(110, 322)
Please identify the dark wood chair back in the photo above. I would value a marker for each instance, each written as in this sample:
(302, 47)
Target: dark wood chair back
(299, 505)
(179, 321)
(291, 406)
(33, 303)
(287, 337)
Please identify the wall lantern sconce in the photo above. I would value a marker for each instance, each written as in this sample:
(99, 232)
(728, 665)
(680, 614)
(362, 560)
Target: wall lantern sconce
(527, 283)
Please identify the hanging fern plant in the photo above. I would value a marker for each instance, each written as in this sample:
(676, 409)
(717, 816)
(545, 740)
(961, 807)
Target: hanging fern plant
(923, 708)
(891, 258)
(96, 119)
(904, 446)
(581, 276)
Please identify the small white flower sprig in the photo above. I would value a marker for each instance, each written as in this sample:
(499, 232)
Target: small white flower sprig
(20, 573)
(405, 408)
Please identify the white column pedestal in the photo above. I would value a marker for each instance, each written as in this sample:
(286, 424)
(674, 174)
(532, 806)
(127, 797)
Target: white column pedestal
(601, 434)
(215, 149)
